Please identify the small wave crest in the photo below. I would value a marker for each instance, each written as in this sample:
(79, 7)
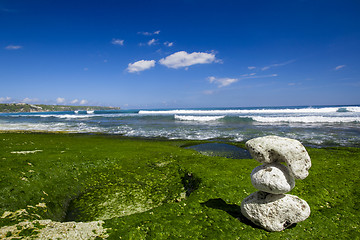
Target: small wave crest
(197, 118)
(307, 119)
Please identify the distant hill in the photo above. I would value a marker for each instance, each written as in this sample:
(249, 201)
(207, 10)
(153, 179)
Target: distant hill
(24, 107)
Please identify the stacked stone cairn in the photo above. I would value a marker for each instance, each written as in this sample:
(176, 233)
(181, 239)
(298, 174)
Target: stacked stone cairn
(270, 208)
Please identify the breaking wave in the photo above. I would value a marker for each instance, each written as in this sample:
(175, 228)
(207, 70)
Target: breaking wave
(306, 119)
(197, 118)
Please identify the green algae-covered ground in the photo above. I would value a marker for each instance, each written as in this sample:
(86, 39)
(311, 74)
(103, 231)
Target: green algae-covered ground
(154, 189)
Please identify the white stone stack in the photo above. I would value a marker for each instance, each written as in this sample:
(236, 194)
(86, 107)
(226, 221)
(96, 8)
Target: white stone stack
(270, 207)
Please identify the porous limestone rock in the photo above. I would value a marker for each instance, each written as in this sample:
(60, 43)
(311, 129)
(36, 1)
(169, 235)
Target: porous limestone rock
(272, 178)
(274, 212)
(271, 149)
(48, 229)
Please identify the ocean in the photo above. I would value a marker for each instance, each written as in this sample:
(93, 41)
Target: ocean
(315, 126)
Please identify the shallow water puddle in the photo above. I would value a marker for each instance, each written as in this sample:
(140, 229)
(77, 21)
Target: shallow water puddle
(221, 150)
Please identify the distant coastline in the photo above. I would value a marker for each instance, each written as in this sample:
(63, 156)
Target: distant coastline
(24, 107)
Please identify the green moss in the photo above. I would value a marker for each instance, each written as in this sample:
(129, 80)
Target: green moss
(157, 190)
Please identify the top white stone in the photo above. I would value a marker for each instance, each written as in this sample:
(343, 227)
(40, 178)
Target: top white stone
(271, 149)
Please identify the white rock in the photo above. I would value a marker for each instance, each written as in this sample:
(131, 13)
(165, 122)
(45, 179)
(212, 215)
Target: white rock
(271, 149)
(274, 212)
(272, 178)
(57, 230)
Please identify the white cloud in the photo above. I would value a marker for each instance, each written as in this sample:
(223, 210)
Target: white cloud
(60, 100)
(222, 82)
(152, 42)
(5, 99)
(117, 42)
(339, 67)
(83, 102)
(140, 65)
(74, 101)
(150, 33)
(30, 100)
(277, 65)
(169, 44)
(251, 68)
(251, 75)
(184, 59)
(13, 47)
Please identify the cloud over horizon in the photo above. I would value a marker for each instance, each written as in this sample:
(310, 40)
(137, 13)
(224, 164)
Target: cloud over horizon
(140, 66)
(183, 59)
(5, 99)
(60, 100)
(83, 102)
(30, 100)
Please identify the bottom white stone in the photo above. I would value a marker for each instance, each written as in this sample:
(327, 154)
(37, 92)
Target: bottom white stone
(274, 212)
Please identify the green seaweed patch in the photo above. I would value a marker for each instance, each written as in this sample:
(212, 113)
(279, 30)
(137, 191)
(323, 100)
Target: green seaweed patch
(161, 184)
(150, 189)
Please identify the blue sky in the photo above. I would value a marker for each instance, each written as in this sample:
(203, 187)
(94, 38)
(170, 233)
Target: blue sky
(180, 53)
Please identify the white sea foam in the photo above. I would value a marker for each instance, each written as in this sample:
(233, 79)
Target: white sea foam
(306, 119)
(63, 116)
(90, 112)
(34, 126)
(75, 116)
(81, 127)
(197, 118)
(255, 111)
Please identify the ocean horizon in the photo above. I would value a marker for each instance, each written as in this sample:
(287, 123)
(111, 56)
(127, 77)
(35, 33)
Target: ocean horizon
(318, 126)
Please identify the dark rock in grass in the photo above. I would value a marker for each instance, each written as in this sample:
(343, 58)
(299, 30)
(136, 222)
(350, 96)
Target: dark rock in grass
(272, 178)
(274, 212)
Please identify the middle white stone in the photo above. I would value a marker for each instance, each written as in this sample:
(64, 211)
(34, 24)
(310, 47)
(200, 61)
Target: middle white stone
(272, 178)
